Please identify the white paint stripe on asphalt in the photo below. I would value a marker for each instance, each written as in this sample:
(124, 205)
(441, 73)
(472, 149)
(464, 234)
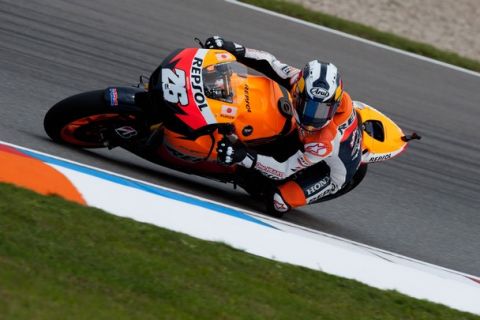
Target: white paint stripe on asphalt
(352, 37)
(280, 244)
(292, 227)
(275, 239)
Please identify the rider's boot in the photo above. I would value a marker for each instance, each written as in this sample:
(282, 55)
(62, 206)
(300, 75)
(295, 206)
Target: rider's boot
(275, 204)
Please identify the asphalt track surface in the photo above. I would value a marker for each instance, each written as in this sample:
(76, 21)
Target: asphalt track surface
(424, 204)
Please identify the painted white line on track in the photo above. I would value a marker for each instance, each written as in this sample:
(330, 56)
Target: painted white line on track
(267, 237)
(268, 219)
(352, 37)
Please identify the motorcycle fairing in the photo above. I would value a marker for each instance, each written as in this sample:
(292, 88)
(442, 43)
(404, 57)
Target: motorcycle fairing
(181, 80)
(187, 80)
(182, 85)
(382, 139)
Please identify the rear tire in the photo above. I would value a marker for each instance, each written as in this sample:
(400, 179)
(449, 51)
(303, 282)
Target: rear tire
(352, 184)
(83, 120)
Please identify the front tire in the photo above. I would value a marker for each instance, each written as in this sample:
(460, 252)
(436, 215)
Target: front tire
(84, 120)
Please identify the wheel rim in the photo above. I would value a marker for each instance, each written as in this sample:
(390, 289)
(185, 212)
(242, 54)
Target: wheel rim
(89, 131)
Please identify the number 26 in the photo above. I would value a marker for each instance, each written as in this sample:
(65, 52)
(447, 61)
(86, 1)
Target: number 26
(173, 85)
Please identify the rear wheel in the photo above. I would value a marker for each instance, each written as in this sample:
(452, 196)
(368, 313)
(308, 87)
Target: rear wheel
(352, 184)
(86, 121)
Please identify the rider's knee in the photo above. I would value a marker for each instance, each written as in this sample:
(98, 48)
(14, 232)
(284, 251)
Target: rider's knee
(285, 197)
(293, 194)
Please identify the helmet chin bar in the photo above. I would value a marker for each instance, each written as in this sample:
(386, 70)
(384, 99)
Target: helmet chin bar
(312, 128)
(324, 125)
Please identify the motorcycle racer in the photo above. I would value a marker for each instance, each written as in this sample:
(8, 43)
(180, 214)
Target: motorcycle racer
(328, 129)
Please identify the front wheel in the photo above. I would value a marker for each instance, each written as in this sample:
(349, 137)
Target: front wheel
(86, 121)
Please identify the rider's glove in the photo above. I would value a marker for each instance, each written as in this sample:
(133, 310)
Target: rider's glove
(229, 154)
(217, 42)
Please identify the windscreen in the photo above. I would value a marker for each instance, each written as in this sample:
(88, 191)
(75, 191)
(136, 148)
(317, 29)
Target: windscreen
(220, 80)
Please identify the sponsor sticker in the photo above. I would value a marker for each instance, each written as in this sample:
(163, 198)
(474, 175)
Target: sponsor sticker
(318, 149)
(317, 187)
(223, 56)
(279, 203)
(228, 111)
(247, 98)
(269, 172)
(380, 157)
(113, 97)
(126, 132)
(318, 92)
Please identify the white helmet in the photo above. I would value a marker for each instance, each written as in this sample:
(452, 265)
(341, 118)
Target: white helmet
(317, 95)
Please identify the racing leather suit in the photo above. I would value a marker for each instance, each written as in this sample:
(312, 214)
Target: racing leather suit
(338, 144)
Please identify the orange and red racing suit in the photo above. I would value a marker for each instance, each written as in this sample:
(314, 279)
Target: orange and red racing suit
(338, 145)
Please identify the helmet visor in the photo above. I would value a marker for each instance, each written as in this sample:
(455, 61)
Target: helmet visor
(314, 115)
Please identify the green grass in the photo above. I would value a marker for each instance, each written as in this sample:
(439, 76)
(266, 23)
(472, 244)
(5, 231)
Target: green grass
(298, 11)
(59, 260)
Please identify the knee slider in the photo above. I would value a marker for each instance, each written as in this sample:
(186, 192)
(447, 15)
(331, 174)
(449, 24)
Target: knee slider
(279, 203)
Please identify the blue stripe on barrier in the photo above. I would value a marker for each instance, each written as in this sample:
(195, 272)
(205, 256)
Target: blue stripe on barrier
(148, 188)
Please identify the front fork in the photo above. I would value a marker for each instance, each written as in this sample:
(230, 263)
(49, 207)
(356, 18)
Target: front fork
(134, 103)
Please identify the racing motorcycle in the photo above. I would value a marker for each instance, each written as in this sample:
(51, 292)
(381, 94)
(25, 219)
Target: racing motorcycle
(195, 98)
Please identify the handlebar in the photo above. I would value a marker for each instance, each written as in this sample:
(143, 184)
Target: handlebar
(199, 42)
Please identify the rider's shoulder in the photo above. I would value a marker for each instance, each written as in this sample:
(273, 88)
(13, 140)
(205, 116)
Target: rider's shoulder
(346, 104)
(344, 111)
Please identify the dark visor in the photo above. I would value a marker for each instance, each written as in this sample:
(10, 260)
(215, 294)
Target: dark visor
(315, 114)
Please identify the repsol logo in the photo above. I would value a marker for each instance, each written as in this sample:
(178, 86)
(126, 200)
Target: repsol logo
(347, 124)
(318, 186)
(196, 82)
(246, 93)
(380, 158)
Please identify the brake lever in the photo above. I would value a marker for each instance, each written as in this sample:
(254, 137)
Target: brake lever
(199, 42)
(227, 130)
(413, 136)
